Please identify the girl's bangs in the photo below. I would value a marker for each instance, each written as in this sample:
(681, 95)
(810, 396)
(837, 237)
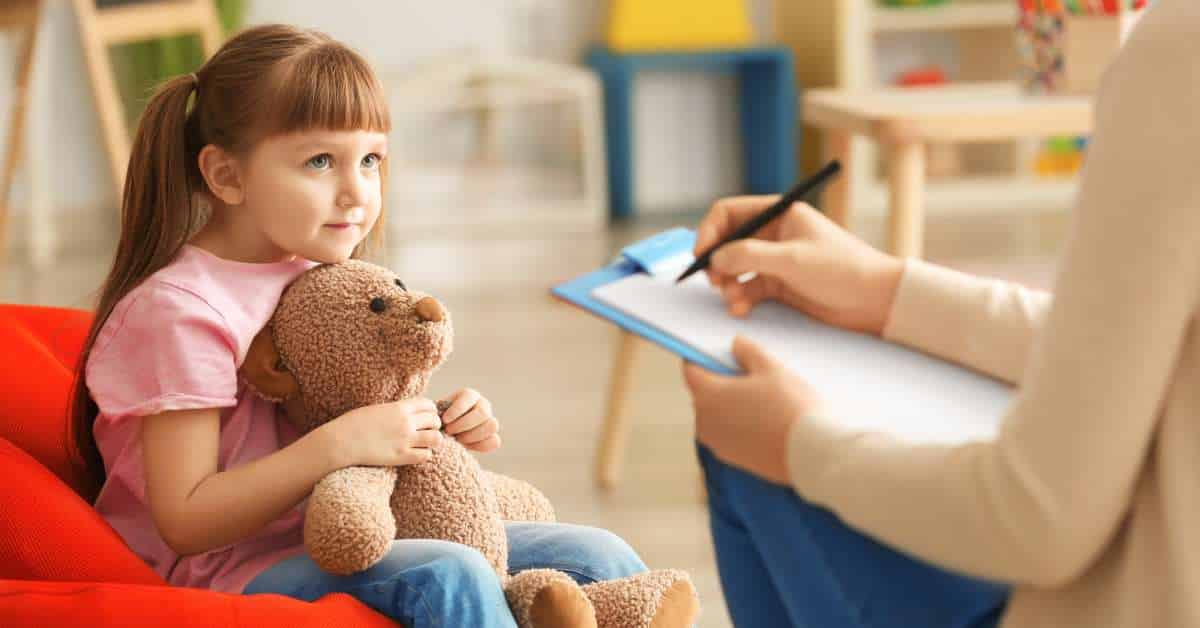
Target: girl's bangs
(330, 88)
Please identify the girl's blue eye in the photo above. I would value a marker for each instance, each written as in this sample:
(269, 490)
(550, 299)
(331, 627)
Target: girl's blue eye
(371, 161)
(320, 162)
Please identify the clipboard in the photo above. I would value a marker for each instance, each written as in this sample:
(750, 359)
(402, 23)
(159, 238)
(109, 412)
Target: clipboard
(662, 253)
(874, 384)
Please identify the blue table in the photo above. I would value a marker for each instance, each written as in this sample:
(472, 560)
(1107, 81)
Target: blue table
(767, 102)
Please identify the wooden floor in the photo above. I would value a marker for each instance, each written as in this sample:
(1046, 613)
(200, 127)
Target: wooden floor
(545, 365)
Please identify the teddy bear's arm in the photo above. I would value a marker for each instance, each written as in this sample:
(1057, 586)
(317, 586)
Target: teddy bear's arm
(519, 501)
(349, 524)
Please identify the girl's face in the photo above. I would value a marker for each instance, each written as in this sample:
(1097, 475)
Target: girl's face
(315, 194)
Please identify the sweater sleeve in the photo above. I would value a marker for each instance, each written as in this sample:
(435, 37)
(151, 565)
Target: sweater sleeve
(1038, 504)
(985, 324)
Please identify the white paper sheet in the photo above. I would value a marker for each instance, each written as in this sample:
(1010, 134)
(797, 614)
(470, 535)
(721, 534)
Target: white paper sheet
(870, 383)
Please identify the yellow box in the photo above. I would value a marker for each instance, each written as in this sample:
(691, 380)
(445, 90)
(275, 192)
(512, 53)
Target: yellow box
(659, 25)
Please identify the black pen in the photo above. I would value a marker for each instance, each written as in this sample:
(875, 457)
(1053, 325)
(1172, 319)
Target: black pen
(758, 222)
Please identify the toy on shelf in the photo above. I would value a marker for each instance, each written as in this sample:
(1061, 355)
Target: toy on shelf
(928, 75)
(1065, 45)
(1060, 157)
(673, 25)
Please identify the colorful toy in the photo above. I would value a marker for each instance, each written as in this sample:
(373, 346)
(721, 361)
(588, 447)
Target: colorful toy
(1065, 45)
(1060, 157)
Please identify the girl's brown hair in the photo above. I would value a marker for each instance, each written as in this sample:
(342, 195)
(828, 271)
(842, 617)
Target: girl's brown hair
(267, 80)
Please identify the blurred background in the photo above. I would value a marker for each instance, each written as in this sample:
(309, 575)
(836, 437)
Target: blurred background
(533, 139)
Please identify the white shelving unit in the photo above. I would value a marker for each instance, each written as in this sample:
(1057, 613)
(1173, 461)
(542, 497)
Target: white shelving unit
(984, 31)
(487, 192)
(968, 14)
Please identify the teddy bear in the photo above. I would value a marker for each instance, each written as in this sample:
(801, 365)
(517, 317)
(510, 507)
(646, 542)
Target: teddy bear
(351, 334)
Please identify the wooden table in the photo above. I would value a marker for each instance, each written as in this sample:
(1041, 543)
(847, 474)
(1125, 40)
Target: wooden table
(903, 120)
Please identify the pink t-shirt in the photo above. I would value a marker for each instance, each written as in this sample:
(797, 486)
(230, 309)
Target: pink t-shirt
(175, 342)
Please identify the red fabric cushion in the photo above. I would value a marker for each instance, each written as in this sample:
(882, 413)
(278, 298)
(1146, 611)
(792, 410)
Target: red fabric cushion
(102, 605)
(62, 330)
(61, 564)
(47, 532)
(40, 347)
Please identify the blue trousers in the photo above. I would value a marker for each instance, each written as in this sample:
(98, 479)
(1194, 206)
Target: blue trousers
(424, 583)
(786, 562)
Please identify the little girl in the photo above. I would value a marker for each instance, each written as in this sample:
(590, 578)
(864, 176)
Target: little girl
(283, 135)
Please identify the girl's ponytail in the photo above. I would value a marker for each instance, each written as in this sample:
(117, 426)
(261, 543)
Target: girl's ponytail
(157, 215)
(157, 209)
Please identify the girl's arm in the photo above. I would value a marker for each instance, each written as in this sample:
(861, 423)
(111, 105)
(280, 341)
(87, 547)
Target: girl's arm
(198, 509)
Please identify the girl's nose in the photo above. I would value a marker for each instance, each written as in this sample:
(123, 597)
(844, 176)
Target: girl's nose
(429, 309)
(353, 192)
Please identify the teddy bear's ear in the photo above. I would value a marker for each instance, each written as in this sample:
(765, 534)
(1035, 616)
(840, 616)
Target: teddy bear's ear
(265, 372)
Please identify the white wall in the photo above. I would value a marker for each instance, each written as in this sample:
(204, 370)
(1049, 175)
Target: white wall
(682, 162)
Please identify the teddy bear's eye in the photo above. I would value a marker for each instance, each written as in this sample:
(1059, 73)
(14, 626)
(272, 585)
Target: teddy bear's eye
(401, 284)
(378, 305)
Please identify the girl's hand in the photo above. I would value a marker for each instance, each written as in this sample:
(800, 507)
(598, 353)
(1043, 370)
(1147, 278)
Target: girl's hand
(802, 259)
(387, 434)
(470, 421)
(745, 419)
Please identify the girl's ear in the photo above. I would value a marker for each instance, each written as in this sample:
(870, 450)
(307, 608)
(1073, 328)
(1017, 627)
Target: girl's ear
(222, 173)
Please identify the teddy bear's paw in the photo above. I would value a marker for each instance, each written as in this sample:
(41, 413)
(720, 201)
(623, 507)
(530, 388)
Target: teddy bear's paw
(544, 598)
(348, 525)
(657, 599)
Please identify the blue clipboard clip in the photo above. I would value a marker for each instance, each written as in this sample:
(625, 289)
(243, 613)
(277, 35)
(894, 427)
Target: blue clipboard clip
(661, 254)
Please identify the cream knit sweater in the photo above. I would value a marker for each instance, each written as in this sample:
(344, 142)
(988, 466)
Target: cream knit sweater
(1088, 501)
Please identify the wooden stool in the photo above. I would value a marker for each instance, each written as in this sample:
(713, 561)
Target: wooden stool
(100, 28)
(22, 16)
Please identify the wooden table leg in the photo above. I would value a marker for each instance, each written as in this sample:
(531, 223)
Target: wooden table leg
(614, 434)
(906, 216)
(837, 201)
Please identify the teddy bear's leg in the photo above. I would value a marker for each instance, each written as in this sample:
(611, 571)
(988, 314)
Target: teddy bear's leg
(657, 599)
(519, 501)
(349, 524)
(545, 598)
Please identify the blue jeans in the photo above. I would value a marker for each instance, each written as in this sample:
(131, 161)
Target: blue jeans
(437, 583)
(785, 562)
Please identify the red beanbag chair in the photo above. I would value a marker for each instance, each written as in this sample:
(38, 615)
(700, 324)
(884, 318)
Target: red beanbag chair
(61, 564)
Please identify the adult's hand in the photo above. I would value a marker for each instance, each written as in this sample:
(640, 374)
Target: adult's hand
(801, 259)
